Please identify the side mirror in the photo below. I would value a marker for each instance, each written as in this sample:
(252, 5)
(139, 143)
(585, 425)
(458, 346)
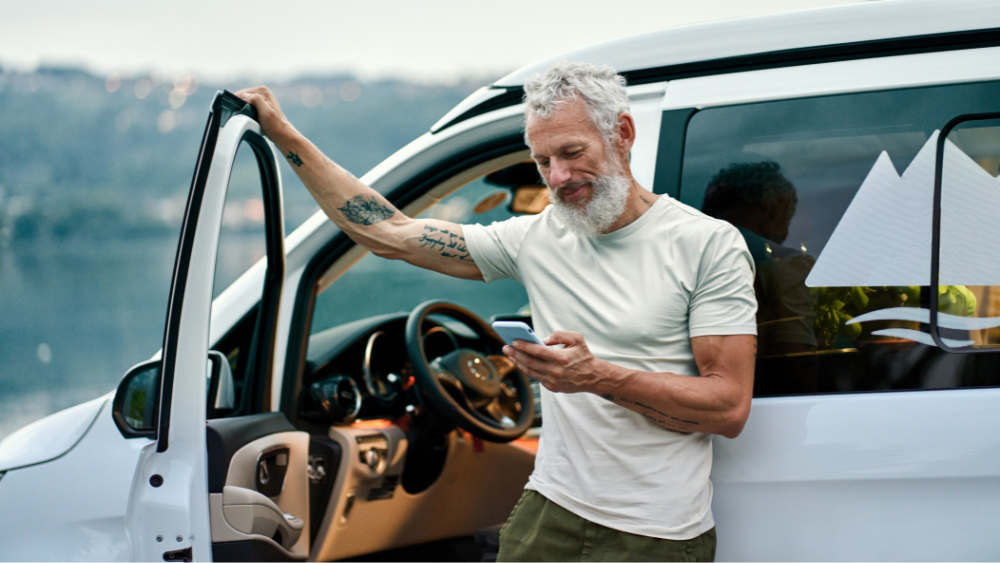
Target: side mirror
(136, 404)
(221, 389)
(137, 401)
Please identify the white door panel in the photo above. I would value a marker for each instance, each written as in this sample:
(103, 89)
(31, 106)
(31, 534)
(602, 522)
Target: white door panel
(645, 102)
(876, 476)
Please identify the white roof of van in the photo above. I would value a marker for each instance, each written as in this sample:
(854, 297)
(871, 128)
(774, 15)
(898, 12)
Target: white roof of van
(853, 23)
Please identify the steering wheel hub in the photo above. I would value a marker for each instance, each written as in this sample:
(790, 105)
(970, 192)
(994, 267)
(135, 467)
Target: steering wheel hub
(473, 370)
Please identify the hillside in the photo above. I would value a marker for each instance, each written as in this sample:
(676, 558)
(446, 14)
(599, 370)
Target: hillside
(96, 156)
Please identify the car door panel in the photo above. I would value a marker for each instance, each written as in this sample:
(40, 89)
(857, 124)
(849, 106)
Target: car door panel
(886, 449)
(874, 476)
(238, 462)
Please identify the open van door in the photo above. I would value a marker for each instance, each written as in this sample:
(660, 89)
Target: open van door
(168, 516)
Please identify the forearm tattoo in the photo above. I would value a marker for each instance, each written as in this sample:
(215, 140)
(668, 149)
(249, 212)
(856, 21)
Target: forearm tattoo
(294, 158)
(366, 210)
(445, 242)
(655, 415)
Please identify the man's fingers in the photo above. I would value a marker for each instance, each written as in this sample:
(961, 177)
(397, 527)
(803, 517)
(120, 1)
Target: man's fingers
(527, 361)
(564, 337)
(537, 350)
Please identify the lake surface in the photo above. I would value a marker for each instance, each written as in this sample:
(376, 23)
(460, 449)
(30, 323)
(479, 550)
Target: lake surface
(75, 314)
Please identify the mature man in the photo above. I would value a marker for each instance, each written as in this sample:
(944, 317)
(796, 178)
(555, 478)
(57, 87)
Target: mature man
(640, 295)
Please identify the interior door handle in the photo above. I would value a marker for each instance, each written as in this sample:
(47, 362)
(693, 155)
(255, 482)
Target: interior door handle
(251, 512)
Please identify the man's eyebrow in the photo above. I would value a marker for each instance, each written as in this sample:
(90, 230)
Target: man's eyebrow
(564, 148)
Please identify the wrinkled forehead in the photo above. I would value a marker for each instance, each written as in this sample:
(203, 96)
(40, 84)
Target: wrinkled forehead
(569, 119)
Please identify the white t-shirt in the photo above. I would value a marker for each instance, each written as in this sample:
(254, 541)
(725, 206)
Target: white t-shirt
(637, 295)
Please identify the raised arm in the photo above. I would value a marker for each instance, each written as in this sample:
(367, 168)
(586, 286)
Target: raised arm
(360, 211)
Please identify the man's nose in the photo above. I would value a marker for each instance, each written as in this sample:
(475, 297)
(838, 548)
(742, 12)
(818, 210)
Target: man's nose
(559, 172)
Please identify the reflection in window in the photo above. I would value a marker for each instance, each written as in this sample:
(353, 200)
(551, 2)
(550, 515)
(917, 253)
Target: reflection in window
(833, 196)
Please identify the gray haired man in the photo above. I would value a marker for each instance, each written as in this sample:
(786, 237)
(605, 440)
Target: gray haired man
(649, 308)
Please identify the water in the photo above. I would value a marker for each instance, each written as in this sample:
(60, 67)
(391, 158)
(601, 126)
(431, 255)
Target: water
(75, 314)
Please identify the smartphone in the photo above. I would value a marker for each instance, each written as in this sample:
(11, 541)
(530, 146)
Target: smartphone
(516, 330)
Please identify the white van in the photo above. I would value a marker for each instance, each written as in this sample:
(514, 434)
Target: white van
(339, 427)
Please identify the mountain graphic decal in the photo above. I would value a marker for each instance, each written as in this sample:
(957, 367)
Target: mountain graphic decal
(884, 237)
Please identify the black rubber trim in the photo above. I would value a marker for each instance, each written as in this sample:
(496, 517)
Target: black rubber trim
(405, 193)
(935, 330)
(264, 340)
(513, 96)
(821, 54)
(171, 332)
(774, 59)
(670, 151)
(225, 436)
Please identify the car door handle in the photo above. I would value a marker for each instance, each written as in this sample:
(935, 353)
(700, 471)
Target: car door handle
(251, 512)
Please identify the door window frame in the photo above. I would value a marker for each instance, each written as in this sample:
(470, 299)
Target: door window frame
(262, 350)
(935, 329)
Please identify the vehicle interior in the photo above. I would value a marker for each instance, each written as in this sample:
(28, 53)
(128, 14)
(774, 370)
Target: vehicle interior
(407, 435)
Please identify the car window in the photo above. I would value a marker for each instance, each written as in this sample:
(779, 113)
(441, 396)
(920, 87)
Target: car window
(375, 286)
(242, 243)
(241, 239)
(833, 196)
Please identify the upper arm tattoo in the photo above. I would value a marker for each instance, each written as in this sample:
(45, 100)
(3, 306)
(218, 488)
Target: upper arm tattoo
(447, 243)
(366, 210)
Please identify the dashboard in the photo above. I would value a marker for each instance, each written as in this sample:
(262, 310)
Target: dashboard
(361, 370)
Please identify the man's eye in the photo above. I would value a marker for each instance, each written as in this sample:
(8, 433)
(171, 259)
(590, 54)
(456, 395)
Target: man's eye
(573, 154)
(543, 164)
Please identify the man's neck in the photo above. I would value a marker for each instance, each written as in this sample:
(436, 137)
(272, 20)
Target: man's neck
(640, 200)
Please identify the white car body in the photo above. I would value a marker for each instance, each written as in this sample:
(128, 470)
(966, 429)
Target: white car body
(906, 475)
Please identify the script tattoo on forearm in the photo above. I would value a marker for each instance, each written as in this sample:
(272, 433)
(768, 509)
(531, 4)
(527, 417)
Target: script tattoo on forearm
(445, 242)
(661, 418)
(366, 210)
(294, 158)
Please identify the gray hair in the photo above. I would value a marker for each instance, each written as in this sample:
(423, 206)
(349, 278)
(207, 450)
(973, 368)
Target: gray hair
(601, 89)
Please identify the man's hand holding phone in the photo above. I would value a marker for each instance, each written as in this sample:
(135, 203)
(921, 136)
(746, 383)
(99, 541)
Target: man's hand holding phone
(570, 369)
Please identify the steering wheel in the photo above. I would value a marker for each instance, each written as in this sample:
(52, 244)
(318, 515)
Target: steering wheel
(483, 394)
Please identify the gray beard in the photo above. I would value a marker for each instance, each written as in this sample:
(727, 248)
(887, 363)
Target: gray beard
(606, 205)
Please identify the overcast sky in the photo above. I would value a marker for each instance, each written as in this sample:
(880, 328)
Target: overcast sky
(423, 39)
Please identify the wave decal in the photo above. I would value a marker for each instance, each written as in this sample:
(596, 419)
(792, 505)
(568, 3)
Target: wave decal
(921, 337)
(924, 316)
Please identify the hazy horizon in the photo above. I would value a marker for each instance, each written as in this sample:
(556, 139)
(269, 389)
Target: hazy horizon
(437, 40)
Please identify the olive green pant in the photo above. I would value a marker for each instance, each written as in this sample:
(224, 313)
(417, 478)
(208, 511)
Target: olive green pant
(540, 530)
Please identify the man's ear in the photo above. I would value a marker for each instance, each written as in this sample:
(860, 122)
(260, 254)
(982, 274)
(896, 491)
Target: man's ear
(626, 133)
